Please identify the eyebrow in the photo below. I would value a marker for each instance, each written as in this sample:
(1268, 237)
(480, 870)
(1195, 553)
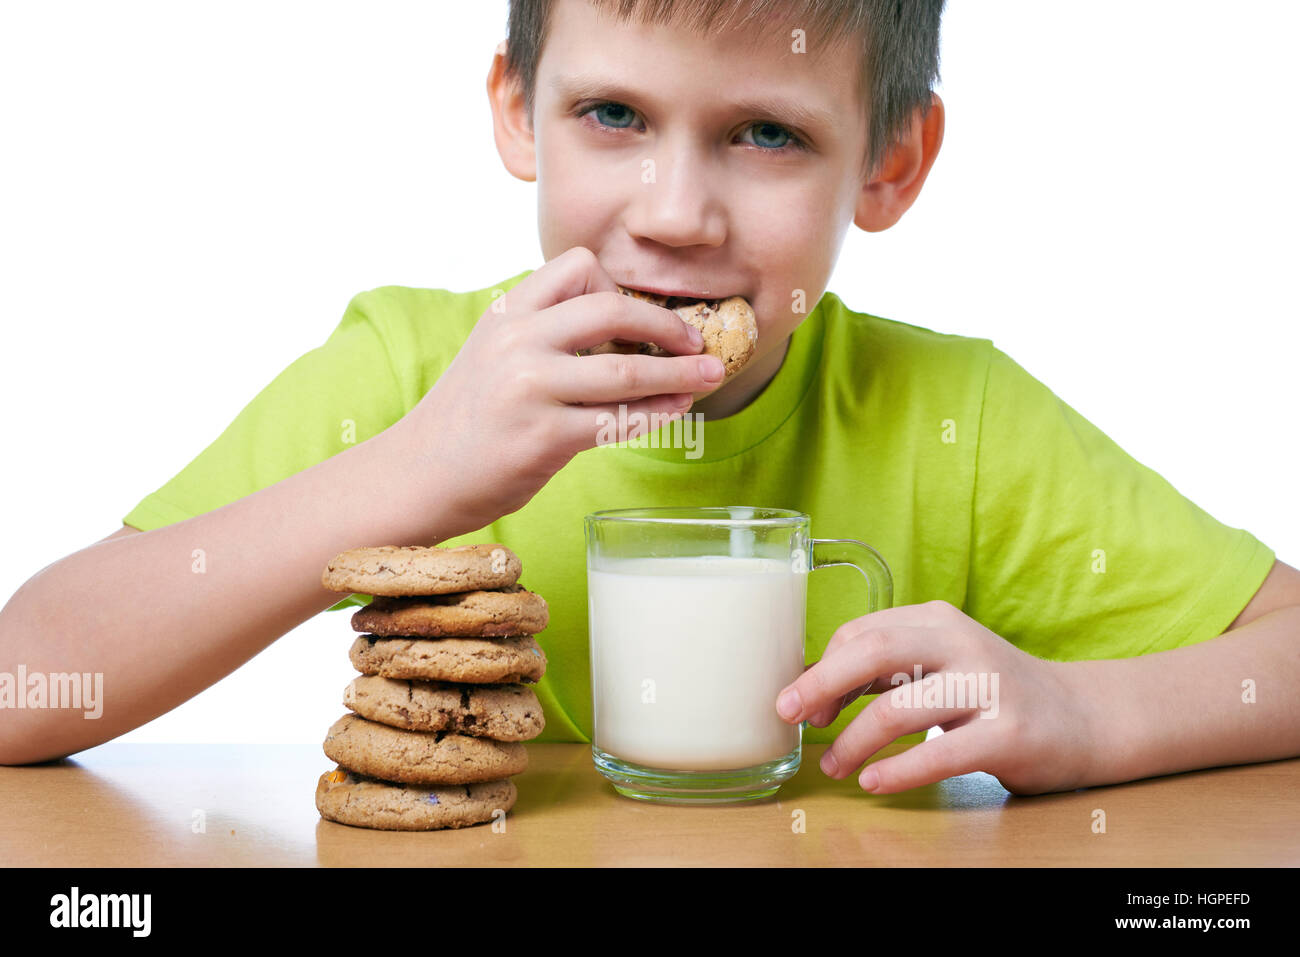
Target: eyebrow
(782, 109)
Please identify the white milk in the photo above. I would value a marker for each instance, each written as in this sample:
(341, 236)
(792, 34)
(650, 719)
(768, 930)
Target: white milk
(688, 656)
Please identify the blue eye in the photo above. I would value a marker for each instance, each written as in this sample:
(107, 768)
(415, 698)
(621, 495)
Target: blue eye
(768, 131)
(618, 114)
(769, 137)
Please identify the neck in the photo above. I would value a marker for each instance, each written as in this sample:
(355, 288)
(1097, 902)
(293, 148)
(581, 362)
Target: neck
(744, 388)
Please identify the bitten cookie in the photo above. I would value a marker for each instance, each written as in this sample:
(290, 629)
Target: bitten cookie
(727, 326)
(510, 611)
(420, 757)
(419, 570)
(472, 660)
(501, 712)
(350, 798)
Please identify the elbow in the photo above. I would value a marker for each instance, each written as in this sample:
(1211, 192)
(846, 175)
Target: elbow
(17, 754)
(37, 737)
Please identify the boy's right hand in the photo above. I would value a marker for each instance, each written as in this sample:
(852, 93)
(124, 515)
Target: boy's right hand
(517, 402)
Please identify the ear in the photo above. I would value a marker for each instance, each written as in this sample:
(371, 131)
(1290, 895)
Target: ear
(894, 187)
(511, 124)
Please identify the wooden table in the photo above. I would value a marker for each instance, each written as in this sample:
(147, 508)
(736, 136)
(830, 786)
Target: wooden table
(252, 805)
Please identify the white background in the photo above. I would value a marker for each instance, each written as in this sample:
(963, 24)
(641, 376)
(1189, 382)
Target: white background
(192, 192)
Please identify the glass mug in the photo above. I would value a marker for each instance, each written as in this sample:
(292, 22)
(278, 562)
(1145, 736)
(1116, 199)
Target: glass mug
(696, 623)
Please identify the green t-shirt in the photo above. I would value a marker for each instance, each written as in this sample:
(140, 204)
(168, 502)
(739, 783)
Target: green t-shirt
(975, 482)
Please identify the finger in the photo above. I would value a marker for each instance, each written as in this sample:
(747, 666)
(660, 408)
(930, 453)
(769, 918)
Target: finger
(860, 661)
(828, 715)
(951, 753)
(621, 378)
(589, 426)
(933, 614)
(575, 272)
(916, 706)
(590, 320)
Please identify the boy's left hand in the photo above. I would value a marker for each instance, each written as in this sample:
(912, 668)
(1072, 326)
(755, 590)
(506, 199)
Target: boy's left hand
(1039, 733)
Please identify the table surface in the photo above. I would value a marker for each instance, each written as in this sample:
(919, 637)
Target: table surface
(166, 805)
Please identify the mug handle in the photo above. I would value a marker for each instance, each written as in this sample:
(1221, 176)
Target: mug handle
(827, 552)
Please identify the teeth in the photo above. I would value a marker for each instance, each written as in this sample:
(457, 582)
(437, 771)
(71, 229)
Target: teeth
(671, 302)
(644, 296)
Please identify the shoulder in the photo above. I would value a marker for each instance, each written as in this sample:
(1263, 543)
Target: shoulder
(906, 365)
(419, 310)
(900, 337)
(420, 329)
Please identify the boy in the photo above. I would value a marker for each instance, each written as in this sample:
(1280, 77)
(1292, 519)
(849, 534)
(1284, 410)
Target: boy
(710, 159)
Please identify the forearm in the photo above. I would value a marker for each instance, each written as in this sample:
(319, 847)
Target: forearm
(1234, 699)
(166, 613)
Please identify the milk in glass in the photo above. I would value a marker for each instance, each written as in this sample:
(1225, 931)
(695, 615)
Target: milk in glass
(688, 655)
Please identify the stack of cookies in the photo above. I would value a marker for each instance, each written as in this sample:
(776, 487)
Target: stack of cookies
(442, 705)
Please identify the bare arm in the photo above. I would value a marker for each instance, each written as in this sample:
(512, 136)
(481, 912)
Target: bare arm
(166, 613)
(162, 621)
(1230, 700)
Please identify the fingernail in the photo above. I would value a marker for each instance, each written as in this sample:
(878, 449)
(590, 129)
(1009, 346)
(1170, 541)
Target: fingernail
(788, 704)
(869, 780)
(697, 340)
(829, 764)
(685, 402)
(711, 368)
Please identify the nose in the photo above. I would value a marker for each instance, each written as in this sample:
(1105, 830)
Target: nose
(675, 203)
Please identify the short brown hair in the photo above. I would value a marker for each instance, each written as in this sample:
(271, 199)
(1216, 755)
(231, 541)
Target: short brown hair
(900, 46)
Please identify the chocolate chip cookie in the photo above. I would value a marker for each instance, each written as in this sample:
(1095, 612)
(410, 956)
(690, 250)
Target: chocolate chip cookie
(398, 570)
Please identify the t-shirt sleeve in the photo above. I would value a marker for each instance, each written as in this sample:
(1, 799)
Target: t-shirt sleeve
(1081, 552)
(338, 394)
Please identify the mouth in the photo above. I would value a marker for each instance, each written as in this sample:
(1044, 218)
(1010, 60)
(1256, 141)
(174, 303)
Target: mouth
(680, 297)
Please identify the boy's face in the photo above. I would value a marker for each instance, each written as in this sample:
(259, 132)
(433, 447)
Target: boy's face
(676, 158)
